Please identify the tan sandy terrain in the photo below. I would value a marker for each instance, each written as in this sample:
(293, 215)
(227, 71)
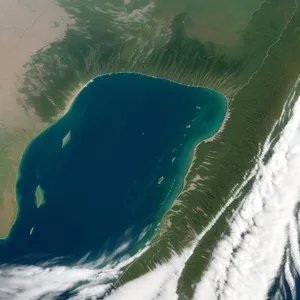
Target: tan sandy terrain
(25, 27)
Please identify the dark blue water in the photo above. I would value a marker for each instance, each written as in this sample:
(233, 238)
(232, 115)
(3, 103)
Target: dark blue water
(131, 142)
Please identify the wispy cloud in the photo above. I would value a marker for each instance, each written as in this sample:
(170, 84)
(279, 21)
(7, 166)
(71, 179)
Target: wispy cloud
(246, 257)
(83, 280)
(33, 282)
(246, 261)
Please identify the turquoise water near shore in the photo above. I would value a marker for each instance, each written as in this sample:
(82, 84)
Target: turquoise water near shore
(110, 167)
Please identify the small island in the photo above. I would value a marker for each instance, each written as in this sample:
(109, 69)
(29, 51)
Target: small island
(125, 128)
(160, 180)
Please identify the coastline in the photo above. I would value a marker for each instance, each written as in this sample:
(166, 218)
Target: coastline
(76, 93)
(211, 138)
(194, 156)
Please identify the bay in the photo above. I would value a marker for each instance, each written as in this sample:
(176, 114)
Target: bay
(109, 168)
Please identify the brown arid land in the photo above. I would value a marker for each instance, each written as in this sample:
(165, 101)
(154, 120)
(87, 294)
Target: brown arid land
(25, 27)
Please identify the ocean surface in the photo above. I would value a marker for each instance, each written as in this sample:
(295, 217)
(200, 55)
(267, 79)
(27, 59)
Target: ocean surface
(108, 170)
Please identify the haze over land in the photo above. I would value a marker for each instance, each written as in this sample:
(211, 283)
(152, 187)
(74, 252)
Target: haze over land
(247, 51)
(25, 28)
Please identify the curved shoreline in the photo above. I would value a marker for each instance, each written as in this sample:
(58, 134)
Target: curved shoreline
(194, 148)
(77, 91)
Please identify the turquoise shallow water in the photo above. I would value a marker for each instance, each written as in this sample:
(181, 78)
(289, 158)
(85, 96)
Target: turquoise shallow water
(130, 140)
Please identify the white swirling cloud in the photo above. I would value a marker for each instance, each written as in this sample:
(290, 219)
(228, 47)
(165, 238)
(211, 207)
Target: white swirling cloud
(244, 263)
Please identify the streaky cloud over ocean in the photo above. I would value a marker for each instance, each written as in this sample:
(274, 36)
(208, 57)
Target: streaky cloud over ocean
(258, 258)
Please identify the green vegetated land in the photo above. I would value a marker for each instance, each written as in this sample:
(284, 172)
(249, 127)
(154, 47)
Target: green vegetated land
(248, 51)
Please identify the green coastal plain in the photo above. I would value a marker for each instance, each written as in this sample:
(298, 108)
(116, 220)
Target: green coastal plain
(246, 50)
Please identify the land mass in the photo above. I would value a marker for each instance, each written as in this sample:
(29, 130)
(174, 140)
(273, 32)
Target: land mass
(254, 62)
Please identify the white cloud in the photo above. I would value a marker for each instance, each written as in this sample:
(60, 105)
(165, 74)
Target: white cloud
(33, 282)
(246, 261)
